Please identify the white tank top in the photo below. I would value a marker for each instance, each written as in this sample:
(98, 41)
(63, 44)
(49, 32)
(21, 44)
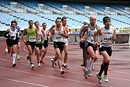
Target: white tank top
(90, 35)
(40, 35)
(106, 37)
(12, 34)
(46, 34)
(57, 37)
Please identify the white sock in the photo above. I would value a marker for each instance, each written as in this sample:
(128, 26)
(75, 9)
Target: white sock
(91, 62)
(62, 62)
(61, 69)
(87, 66)
(14, 56)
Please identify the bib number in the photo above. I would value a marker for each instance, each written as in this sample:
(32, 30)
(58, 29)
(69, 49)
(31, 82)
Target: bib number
(32, 38)
(13, 36)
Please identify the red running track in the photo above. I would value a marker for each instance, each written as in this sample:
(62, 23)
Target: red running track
(46, 76)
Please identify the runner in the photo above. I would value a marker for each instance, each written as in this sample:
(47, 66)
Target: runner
(18, 45)
(64, 22)
(45, 41)
(91, 45)
(58, 34)
(81, 44)
(108, 34)
(30, 41)
(11, 41)
(41, 38)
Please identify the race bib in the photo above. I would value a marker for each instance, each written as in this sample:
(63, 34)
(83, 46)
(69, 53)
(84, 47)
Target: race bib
(13, 36)
(32, 38)
(59, 38)
(107, 39)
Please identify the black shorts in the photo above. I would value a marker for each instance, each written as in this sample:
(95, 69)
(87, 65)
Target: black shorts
(39, 45)
(59, 45)
(90, 44)
(18, 39)
(45, 43)
(107, 49)
(32, 44)
(10, 43)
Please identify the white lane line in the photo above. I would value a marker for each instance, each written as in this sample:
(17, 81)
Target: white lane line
(53, 77)
(18, 81)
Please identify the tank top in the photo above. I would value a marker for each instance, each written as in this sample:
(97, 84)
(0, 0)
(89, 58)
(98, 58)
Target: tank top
(40, 37)
(46, 34)
(13, 34)
(90, 34)
(31, 35)
(106, 37)
(57, 37)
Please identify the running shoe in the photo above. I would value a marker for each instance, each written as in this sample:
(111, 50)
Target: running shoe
(41, 61)
(32, 66)
(105, 78)
(27, 59)
(85, 74)
(98, 78)
(65, 67)
(6, 50)
(38, 64)
(13, 65)
(54, 64)
(62, 72)
(18, 58)
(89, 73)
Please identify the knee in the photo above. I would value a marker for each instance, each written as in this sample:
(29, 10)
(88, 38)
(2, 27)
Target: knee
(66, 53)
(108, 60)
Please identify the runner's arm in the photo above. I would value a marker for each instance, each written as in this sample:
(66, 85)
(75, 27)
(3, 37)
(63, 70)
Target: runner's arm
(97, 33)
(22, 34)
(85, 27)
(7, 33)
(83, 39)
(52, 28)
(36, 35)
(114, 35)
(66, 35)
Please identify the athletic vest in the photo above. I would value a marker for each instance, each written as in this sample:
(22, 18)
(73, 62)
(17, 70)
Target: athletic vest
(40, 37)
(18, 28)
(57, 37)
(106, 37)
(31, 35)
(90, 34)
(13, 34)
(46, 34)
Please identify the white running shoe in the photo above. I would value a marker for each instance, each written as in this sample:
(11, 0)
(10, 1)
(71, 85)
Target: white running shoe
(54, 64)
(89, 73)
(98, 78)
(85, 74)
(27, 59)
(32, 66)
(105, 78)
(18, 58)
(38, 64)
(6, 50)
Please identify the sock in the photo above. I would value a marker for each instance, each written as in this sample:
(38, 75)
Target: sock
(101, 70)
(14, 56)
(61, 69)
(91, 63)
(106, 67)
(62, 62)
(87, 67)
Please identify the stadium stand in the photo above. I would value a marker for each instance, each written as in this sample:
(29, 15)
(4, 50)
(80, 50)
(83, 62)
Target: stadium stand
(75, 12)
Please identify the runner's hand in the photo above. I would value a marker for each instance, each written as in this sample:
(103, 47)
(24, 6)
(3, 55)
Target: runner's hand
(35, 41)
(42, 42)
(82, 40)
(114, 37)
(96, 44)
